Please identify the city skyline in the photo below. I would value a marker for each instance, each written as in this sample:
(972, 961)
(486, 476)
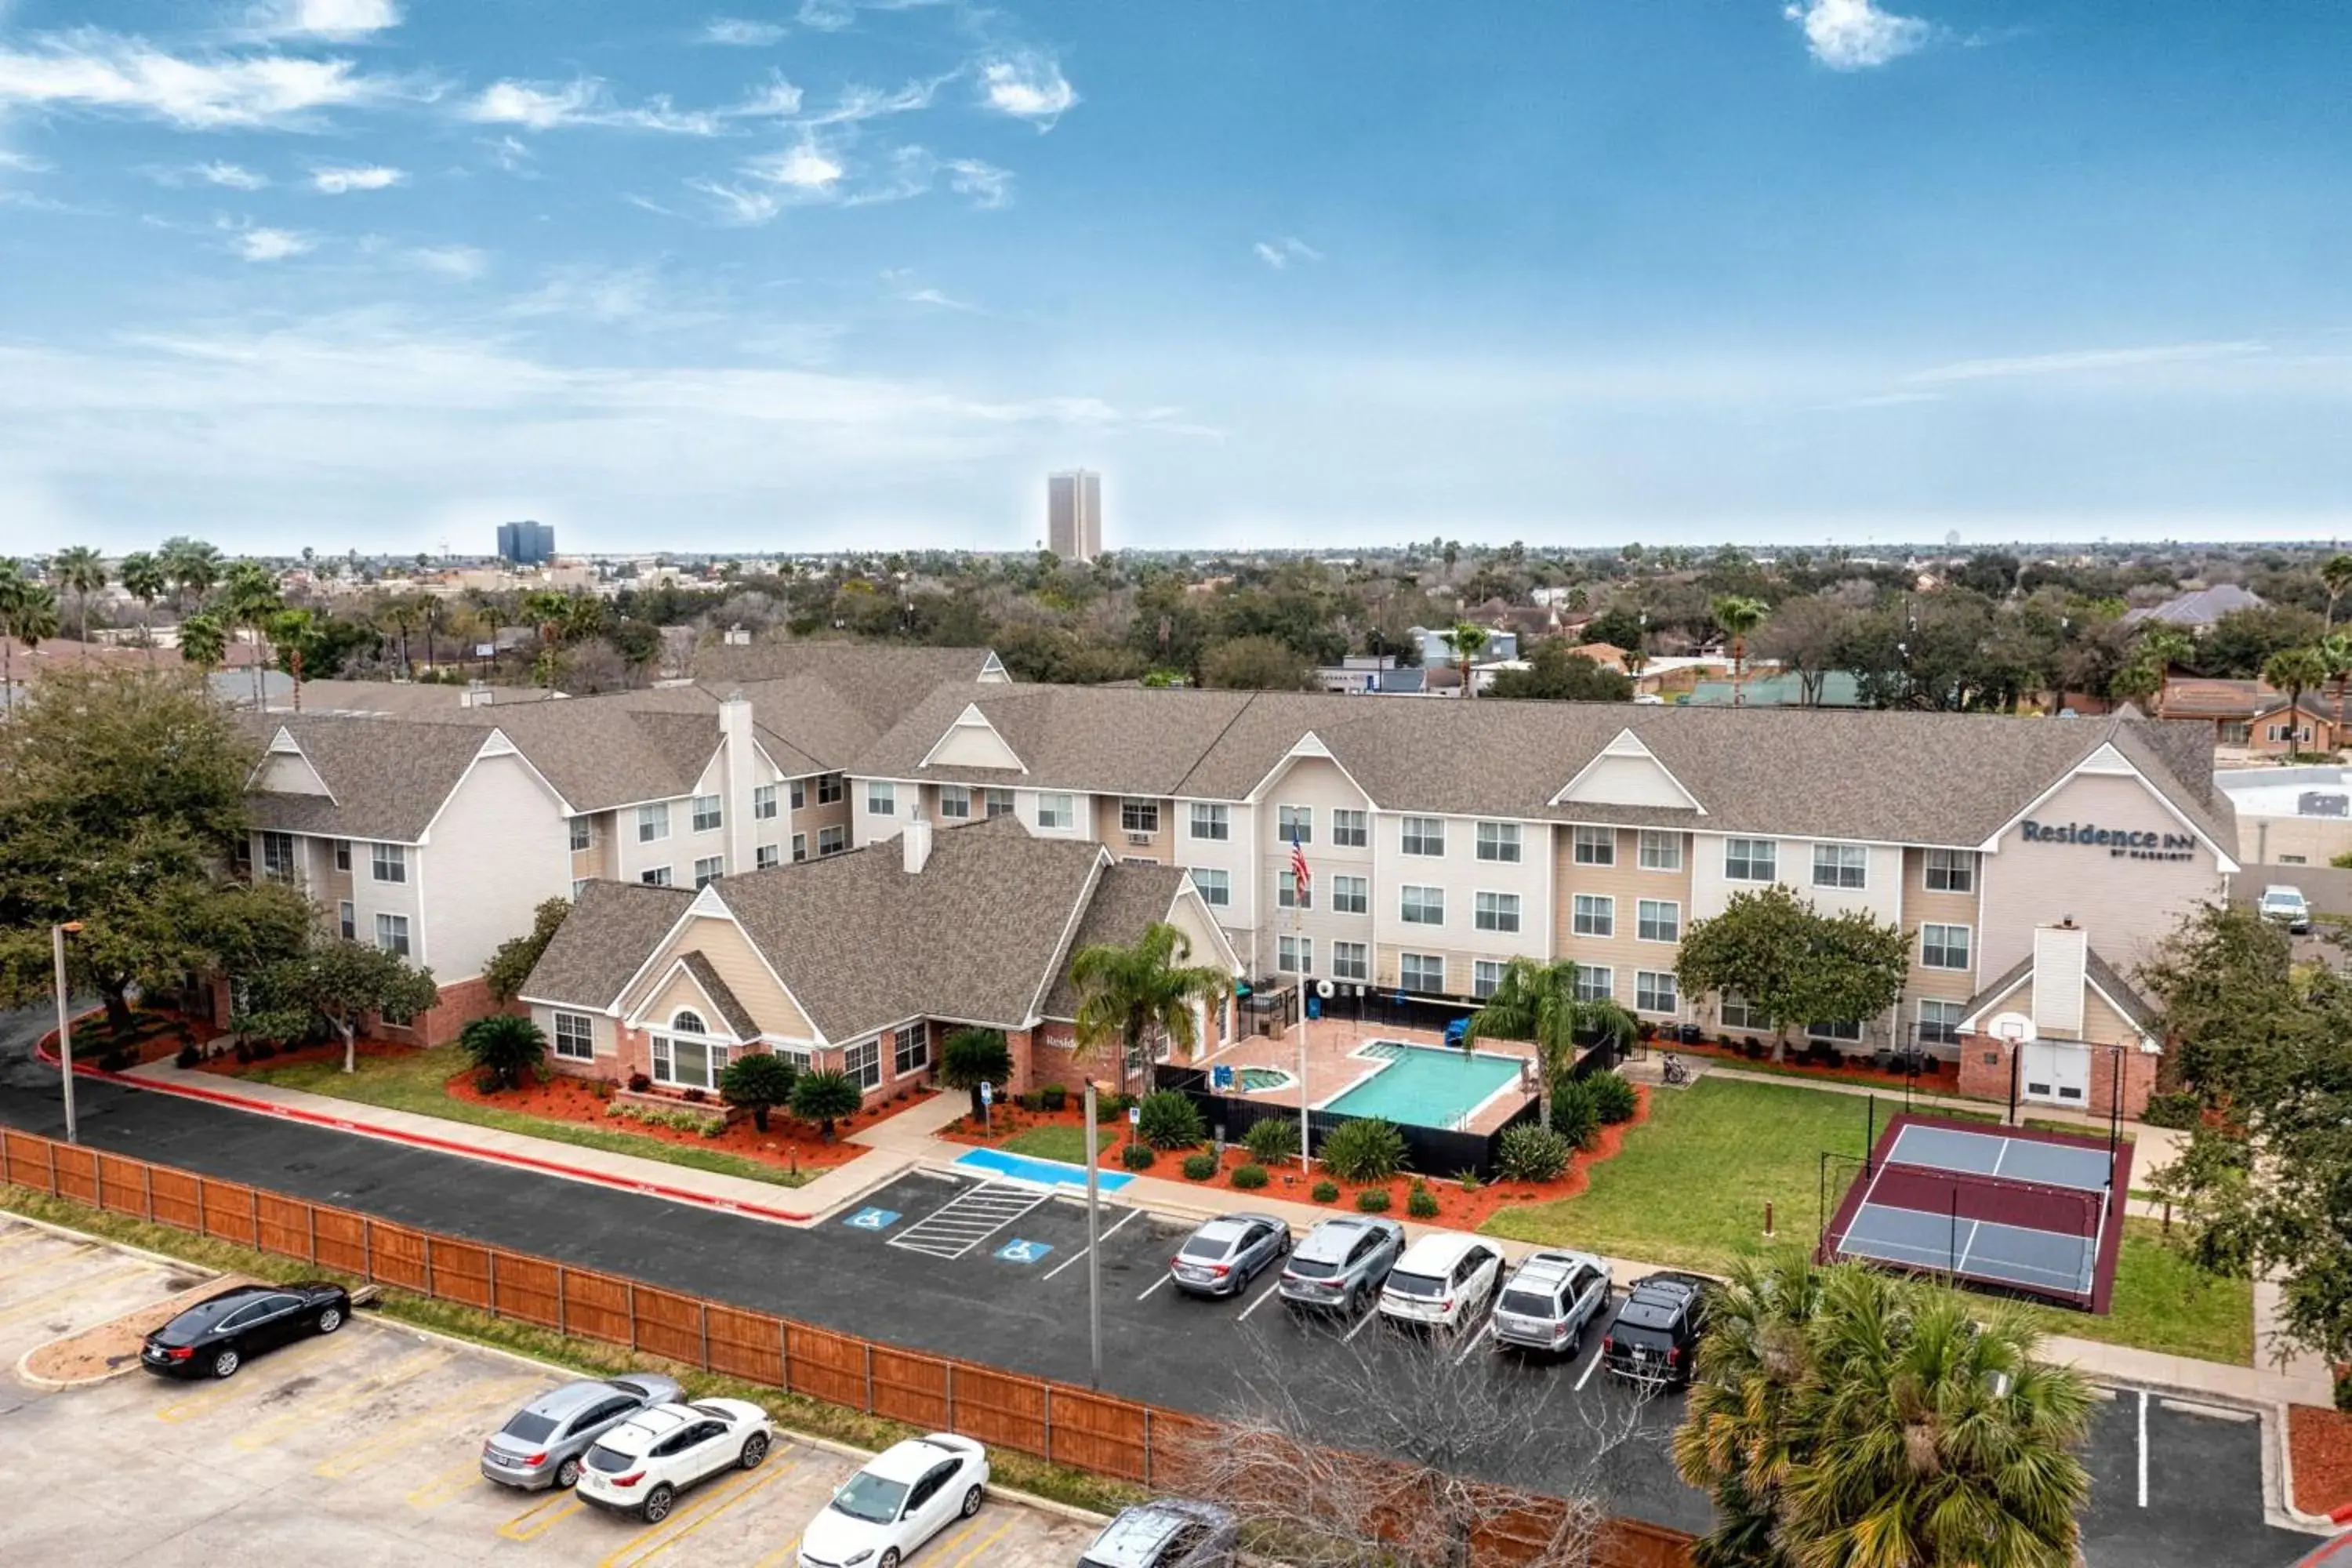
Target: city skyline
(856, 273)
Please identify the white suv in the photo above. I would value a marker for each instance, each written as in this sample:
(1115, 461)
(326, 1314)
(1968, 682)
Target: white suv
(2284, 902)
(1441, 1280)
(641, 1465)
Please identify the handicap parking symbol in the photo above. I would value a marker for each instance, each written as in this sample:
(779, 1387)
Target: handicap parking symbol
(1024, 1251)
(872, 1219)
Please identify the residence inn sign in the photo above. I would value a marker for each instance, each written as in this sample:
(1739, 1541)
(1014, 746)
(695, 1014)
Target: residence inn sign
(2121, 843)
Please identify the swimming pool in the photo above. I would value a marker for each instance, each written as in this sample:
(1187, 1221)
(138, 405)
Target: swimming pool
(1043, 1173)
(1428, 1086)
(1257, 1080)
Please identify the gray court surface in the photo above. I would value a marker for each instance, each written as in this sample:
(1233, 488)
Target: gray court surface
(1979, 1249)
(1992, 1154)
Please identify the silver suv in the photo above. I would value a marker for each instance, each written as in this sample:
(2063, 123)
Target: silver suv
(1171, 1532)
(1551, 1302)
(1342, 1264)
(541, 1442)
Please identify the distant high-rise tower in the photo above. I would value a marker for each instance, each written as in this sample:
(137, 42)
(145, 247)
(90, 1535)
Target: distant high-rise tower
(526, 544)
(1074, 514)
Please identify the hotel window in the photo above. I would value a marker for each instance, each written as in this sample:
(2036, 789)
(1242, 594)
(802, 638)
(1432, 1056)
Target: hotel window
(1595, 915)
(1839, 1033)
(1424, 836)
(575, 1037)
(342, 854)
(832, 840)
(881, 798)
(1139, 815)
(955, 802)
(910, 1049)
(708, 869)
(653, 822)
(1499, 841)
(1596, 846)
(1951, 870)
(277, 857)
(1349, 830)
(388, 862)
(1288, 895)
(1496, 911)
(580, 886)
(1057, 811)
(684, 1061)
(995, 803)
(1654, 992)
(1350, 961)
(1294, 955)
(1738, 1014)
(1211, 821)
(831, 789)
(1484, 977)
(1942, 947)
(1295, 824)
(392, 933)
(1423, 906)
(799, 793)
(583, 833)
(655, 876)
(1216, 887)
(1661, 850)
(862, 1062)
(763, 802)
(706, 814)
(799, 848)
(1841, 866)
(767, 855)
(1658, 920)
(346, 920)
(1749, 859)
(1351, 895)
(1422, 972)
(1939, 1023)
(1595, 983)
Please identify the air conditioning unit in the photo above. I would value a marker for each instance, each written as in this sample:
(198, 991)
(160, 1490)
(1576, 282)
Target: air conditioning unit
(1141, 837)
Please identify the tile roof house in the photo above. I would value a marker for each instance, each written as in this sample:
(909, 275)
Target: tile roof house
(2251, 715)
(2197, 609)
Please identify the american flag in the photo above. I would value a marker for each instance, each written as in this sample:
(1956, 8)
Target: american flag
(1300, 877)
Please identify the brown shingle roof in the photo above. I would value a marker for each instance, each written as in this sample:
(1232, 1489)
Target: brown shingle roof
(387, 777)
(1127, 900)
(603, 941)
(738, 1017)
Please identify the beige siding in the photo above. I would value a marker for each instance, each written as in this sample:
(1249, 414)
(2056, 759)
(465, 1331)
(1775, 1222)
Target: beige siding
(974, 746)
(1922, 907)
(283, 773)
(600, 1026)
(722, 943)
(1630, 781)
(1161, 847)
(498, 850)
(682, 990)
(2101, 1023)
(1627, 884)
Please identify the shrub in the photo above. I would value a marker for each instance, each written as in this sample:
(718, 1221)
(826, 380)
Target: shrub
(1531, 1153)
(1573, 1114)
(1470, 1182)
(694, 1097)
(714, 1127)
(601, 1087)
(617, 1108)
(1421, 1202)
(487, 1082)
(1613, 1099)
(825, 1097)
(263, 1050)
(1272, 1140)
(117, 1060)
(639, 1083)
(189, 1057)
(1325, 1192)
(1200, 1167)
(1170, 1121)
(2178, 1109)
(971, 1058)
(1053, 1097)
(1249, 1178)
(759, 1081)
(1369, 1150)
(1111, 1107)
(244, 1053)
(1137, 1156)
(503, 1044)
(1373, 1200)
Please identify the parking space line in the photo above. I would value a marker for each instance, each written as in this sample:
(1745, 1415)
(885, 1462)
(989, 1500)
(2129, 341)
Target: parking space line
(1264, 1296)
(310, 1412)
(1106, 1236)
(2209, 1412)
(2143, 1447)
(781, 1555)
(1001, 1532)
(1361, 1323)
(642, 1548)
(36, 1306)
(935, 1551)
(969, 1218)
(1155, 1285)
(1589, 1368)
(541, 1517)
(357, 1457)
(1476, 1337)
(449, 1484)
(221, 1392)
(51, 1265)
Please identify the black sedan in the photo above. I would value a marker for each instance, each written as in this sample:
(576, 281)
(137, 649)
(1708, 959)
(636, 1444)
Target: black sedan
(221, 1334)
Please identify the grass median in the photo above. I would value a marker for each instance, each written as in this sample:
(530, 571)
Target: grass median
(1067, 1144)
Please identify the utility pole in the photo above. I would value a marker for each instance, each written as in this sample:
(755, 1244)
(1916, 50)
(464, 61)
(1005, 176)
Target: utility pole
(65, 1021)
(1094, 1248)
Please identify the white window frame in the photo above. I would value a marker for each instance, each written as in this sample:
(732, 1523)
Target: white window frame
(342, 854)
(833, 841)
(1293, 954)
(1497, 912)
(763, 802)
(278, 861)
(1937, 952)
(1655, 991)
(1419, 904)
(881, 797)
(831, 789)
(955, 803)
(1057, 811)
(1137, 814)
(1945, 1030)
(653, 822)
(346, 920)
(1351, 960)
(1352, 895)
(1660, 849)
(388, 862)
(1593, 845)
(1658, 920)
(862, 1062)
(1843, 867)
(583, 833)
(716, 1053)
(580, 886)
(1499, 842)
(1211, 821)
(1485, 976)
(995, 803)
(656, 877)
(709, 869)
(1416, 972)
(767, 857)
(799, 848)
(1350, 828)
(910, 1049)
(1949, 871)
(1422, 837)
(1738, 1012)
(797, 793)
(709, 814)
(1595, 983)
(1593, 915)
(1750, 855)
(1844, 1033)
(1298, 820)
(1288, 894)
(573, 1038)
(1215, 886)
(392, 933)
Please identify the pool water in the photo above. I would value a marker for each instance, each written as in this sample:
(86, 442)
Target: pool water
(1043, 1172)
(1426, 1085)
(1256, 1080)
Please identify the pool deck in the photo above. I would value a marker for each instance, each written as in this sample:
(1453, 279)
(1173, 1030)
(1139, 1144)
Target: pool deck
(1333, 1069)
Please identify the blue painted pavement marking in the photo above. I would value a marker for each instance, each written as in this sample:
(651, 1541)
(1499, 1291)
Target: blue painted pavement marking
(1024, 1251)
(872, 1219)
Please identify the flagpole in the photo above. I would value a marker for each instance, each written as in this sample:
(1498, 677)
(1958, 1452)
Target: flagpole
(1300, 883)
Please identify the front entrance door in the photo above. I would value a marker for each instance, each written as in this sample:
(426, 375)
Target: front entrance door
(2055, 1072)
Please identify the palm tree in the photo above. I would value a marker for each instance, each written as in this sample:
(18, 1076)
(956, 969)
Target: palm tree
(145, 579)
(251, 599)
(2137, 681)
(400, 614)
(28, 613)
(2295, 670)
(193, 567)
(1737, 616)
(80, 570)
(1537, 1002)
(2336, 575)
(1129, 995)
(2163, 646)
(203, 641)
(2335, 652)
(1466, 640)
(287, 632)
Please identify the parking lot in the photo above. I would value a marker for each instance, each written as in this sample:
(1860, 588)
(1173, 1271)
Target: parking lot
(359, 1447)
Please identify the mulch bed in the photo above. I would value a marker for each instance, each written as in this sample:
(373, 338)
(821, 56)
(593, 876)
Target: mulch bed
(111, 1348)
(226, 1064)
(1795, 1067)
(2321, 1442)
(157, 1036)
(793, 1145)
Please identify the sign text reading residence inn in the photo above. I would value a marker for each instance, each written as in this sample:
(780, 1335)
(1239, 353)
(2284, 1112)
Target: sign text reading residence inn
(2121, 843)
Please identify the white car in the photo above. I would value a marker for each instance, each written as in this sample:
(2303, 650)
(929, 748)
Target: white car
(641, 1465)
(2285, 903)
(905, 1495)
(1441, 1280)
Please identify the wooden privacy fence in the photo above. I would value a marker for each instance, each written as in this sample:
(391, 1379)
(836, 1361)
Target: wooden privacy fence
(1056, 1422)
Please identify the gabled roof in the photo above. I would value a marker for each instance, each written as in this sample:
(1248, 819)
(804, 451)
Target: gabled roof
(2199, 606)
(386, 778)
(2097, 973)
(603, 941)
(1127, 902)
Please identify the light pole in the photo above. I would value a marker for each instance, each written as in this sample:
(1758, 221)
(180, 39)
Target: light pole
(1094, 1237)
(65, 1019)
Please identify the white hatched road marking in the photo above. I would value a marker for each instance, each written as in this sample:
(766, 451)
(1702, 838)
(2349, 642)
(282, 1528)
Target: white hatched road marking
(970, 1219)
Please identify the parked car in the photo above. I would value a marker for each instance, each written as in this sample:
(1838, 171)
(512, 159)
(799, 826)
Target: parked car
(1655, 1336)
(542, 1444)
(1225, 1254)
(642, 1464)
(1441, 1280)
(906, 1494)
(1550, 1300)
(1169, 1532)
(1341, 1263)
(222, 1333)
(2286, 904)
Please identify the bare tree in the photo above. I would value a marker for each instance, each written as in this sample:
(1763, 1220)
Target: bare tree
(1426, 1425)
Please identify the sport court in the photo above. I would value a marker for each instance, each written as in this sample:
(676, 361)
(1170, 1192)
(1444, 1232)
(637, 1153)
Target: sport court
(2011, 1208)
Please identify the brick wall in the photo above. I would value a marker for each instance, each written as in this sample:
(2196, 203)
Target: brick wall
(459, 1005)
(1985, 1068)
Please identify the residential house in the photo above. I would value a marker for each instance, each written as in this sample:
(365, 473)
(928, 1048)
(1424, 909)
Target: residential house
(2252, 716)
(2195, 611)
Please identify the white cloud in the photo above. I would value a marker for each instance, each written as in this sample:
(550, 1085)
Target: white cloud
(89, 68)
(515, 157)
(779, 97)
(737, 206)
(539, 106)
(734, 32)
(1027, 85)
(23, 163)
(944, 301)
(460, 261)
(336, 182)
(270, 243)
(806, 167)
(592, 294)
(986, 184)
(862, 103)
(2086, 361)
(335, 19)
(1279, 254)
(827, 16)
(235, 176)
(1856, 34)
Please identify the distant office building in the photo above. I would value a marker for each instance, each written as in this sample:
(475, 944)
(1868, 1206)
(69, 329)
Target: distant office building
(526, 544)
(1074, 514)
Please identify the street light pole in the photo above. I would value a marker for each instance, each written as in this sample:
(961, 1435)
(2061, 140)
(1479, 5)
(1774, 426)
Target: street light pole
(1093, 1253)
(65, 1020)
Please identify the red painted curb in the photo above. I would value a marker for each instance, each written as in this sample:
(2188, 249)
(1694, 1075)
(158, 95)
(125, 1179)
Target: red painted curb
(48, 1053)
(2340, 1515)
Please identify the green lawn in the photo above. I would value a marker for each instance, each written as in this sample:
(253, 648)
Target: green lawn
(1067, 1144)
(2165, 1302)
(412, 1082)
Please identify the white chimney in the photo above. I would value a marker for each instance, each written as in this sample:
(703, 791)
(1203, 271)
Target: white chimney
(915, 838)
(476, 695)
(2060, 953)
(735, 776)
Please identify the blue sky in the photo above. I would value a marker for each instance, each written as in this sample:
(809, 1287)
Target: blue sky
(794, 274)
